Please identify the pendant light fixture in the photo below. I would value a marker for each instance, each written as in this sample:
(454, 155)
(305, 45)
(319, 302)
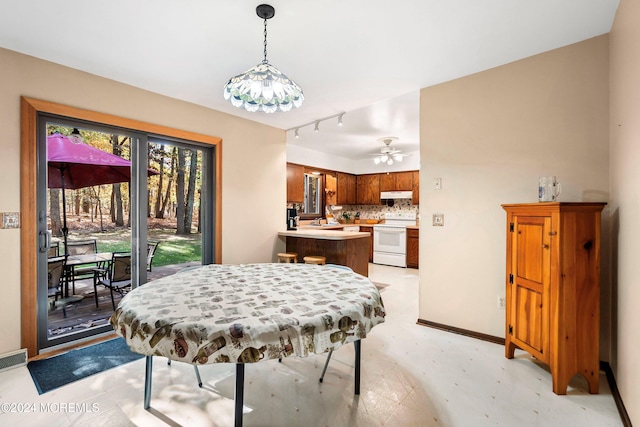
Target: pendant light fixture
(263, 87)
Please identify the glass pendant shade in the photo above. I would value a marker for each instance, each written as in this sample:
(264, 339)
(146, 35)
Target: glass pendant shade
(263, 88)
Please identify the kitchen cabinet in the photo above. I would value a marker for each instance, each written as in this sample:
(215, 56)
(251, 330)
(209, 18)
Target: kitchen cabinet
(415, 182)
(404, 181)
(396, 181)
(553, 287)
(413, 247)
(295, 183)
(346, 189)
(369, 229)
(387, 181)
(368, 189)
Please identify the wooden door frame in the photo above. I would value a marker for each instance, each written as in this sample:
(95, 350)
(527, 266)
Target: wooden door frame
(29, 109)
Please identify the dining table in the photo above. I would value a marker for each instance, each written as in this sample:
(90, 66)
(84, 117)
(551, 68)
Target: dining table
(73, 261)
(248, 313)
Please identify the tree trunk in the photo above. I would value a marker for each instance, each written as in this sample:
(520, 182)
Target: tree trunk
(180, 193)
(118, 215)
(159, 207)
(172, 175)
(54, 215)
(117, 200)
(191, 191)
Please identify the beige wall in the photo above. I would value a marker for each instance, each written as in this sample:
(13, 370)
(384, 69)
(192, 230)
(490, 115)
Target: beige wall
(489, 136)
(625, 201)
(253, 163)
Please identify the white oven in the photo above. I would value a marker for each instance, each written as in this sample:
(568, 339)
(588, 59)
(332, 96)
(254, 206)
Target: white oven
(390, 239)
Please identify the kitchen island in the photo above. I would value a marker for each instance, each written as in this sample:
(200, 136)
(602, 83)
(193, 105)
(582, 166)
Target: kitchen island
(349, 248)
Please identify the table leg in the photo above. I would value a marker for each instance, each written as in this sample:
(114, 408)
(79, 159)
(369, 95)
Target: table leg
(147, 382)
(239, 394)
(356, 344)
(325, 365)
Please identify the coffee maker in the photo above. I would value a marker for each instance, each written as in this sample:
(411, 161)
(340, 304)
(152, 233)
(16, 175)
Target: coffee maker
(292, 213)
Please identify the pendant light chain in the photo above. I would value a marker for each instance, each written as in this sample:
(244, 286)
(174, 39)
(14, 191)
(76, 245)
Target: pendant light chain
(264, 61)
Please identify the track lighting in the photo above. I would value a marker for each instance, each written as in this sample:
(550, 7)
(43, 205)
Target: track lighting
(316, 124)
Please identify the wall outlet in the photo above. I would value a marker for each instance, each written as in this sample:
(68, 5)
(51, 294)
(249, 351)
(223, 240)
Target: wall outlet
(501, 302)
(438, 220)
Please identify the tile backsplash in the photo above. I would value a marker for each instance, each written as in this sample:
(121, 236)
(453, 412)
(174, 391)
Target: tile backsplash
(372, 211)
(378, 211)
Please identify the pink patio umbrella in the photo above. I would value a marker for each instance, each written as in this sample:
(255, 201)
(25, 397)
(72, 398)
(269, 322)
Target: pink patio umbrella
(73, 165)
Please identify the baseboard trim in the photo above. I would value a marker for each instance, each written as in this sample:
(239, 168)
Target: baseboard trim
(460, 331)
(613, 386)
(604, 366)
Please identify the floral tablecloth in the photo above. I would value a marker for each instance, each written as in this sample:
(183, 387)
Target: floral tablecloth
(248, 312)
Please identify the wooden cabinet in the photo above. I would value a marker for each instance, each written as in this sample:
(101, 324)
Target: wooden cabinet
(295, 183)
(413, 247)
(346, 192)
(369, 229)
(404, 181)
(553, 287)
(396, 181)
(415, 181)
(368, 189)
(387, 181)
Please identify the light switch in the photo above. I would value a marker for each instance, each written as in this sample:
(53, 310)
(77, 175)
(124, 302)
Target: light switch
(438, 220)
(437, 183)
(10, 220)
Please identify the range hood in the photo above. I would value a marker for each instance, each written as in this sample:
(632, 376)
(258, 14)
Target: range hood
(390, 195)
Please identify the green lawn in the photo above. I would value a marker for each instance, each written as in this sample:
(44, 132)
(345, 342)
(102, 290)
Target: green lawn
(171, 250)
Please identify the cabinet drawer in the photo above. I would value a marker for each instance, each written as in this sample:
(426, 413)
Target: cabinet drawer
(413, 232)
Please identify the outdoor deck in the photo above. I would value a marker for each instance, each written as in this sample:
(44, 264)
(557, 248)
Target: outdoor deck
(84, 314)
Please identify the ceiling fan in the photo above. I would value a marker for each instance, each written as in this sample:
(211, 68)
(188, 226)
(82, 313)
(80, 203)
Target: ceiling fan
(387, 153)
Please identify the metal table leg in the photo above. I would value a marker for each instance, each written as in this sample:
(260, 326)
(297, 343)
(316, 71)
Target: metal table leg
(325, 365)
(239, 394)
(147, 382)
(356, 344)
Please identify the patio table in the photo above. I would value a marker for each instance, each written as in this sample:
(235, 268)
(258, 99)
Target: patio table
(248, 313)
(74, 261)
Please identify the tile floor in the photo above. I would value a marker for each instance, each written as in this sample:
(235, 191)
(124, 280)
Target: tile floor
(411, 376)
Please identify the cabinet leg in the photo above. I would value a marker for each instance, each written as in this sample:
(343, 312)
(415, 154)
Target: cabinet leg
(509, 349)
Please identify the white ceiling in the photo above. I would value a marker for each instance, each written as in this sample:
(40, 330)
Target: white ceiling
(368, 58)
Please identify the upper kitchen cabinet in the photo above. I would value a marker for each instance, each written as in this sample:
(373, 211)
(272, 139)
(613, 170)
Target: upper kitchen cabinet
(346, 192)
(295, 183)
(396, 181)
(368, 189)
(404, 181)
(416, 188)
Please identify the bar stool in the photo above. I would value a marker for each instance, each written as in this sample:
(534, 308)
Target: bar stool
(287, 257)
(319, 260)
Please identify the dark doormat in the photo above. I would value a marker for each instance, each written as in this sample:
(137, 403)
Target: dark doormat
(54, 372)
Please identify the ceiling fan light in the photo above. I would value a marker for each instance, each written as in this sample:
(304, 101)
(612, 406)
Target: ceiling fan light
(384, 158)
(376, 160)
(397, 157)
(390, 162)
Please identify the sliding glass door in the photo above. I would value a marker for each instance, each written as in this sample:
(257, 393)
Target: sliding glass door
(107, 192)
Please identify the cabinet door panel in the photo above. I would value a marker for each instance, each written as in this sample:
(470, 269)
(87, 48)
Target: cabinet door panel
(404, 181)
(528, 321)
(531, 263)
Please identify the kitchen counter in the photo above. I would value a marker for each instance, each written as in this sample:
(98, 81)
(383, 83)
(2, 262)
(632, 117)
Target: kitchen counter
(349, 248)
(322, 233)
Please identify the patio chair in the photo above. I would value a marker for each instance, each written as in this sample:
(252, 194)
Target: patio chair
(82, 247)
(54, 250)
(55, 279)
(151, 250)
(117, 276)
